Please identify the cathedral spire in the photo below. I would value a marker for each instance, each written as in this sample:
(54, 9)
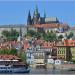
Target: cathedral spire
(20, 34)
(44, 14)
(36, 10)
(29, 19)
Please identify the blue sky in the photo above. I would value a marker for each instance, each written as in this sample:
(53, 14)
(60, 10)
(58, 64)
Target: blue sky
(16, 12)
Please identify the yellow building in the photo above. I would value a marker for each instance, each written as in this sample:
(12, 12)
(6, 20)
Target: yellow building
(61, 52)
(73, 52)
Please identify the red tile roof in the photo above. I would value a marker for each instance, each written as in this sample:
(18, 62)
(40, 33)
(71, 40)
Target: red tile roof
(69, 42)
(51, 25)
(9, 57)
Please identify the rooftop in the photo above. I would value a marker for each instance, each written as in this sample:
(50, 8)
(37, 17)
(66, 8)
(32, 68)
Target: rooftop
(9, 57)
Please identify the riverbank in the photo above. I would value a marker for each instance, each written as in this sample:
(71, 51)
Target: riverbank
(50, 71)
(57, 67)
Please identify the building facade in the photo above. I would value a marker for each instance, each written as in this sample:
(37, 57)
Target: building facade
(37, 19)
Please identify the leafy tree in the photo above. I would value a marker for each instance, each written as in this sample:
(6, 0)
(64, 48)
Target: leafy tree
(70, 35)
(34, 34)
(22, 55)
(31, 33)
(13, 52)
(50, 36)
(60, 36)
(10, 35)
(8, 51)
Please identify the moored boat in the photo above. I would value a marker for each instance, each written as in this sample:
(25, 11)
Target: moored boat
(12, 64)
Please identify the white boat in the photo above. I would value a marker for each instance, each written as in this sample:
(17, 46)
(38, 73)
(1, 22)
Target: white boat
(12, 64)
(14, 69)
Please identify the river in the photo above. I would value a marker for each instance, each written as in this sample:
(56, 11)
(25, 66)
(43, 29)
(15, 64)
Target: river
(46, 72)
(49, 71)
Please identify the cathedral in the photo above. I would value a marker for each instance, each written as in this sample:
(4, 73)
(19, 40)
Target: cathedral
(37, 19)
(46, 24)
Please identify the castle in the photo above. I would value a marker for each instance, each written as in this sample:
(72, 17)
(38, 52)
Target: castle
(44, 23)
(36, 23)
(37, 19)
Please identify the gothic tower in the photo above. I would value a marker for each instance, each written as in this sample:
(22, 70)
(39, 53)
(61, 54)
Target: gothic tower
(29, 21)
(44, 16)
(36, 16)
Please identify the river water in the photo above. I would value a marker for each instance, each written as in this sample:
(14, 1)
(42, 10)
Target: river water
(46, 72)
(49, 71)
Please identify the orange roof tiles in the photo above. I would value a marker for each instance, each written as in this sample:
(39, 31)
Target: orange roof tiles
(48, 44)
(69, 42)
(51, 25)
(9, 57)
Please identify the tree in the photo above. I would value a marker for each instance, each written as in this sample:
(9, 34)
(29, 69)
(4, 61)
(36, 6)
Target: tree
(13, 52)
(60, 36)
(31, 33)
(8, 51)
(34, 34)
(50, 36)
(11, 35)
(22, 55)
(70, 35)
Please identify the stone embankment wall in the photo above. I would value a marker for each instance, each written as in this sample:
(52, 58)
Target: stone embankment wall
(62, 66)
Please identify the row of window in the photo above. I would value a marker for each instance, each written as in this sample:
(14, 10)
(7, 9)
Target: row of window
(62, 48)
(5, 67)
(61, 52)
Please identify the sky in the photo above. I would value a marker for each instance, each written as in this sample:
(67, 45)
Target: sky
(16, 12)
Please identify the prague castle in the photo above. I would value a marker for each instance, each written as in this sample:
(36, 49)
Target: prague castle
(47, 24)
(37, 19)
(37, 22)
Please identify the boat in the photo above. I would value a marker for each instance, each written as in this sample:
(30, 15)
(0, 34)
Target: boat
(13, 65)
(14, 69)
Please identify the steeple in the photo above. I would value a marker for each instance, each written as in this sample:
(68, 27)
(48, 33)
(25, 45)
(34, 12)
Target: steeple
(36, 13)
(36, 16)
(36, 10)
(20, 34)
(29, 22)
(44, 14)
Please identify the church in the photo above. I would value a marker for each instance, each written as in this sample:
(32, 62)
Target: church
(47, 24)
(37, 19)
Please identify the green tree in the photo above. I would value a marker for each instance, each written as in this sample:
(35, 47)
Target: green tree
(70, 35)
(31, 33)
(34, 34)
(60, 37)
(11, 35)
(22, 55)
(8, 51)
(13, 52)
(50, 36)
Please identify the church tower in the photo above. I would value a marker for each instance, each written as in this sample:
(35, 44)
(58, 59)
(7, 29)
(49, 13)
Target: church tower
(44, 16)
(29, 21)
(36, 16)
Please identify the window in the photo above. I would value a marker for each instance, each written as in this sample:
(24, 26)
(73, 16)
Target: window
(60, 52)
